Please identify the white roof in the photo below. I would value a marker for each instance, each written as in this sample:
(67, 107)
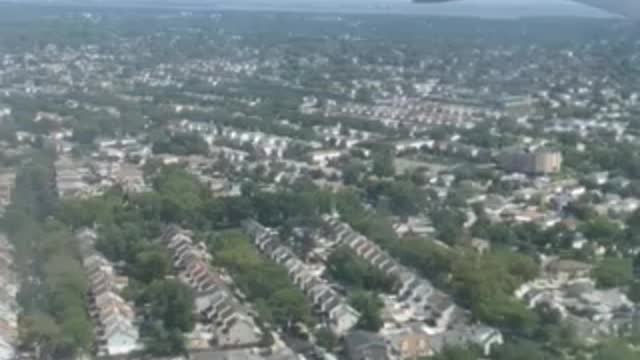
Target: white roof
(7, 351)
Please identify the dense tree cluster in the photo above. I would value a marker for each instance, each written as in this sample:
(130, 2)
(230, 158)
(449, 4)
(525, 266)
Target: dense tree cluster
(264, 282)
(349, 269)
(168, 304)
(402, 198)
(53, 292)
(613, 272)
(622, 158)
(60, 301)
(456, 353)
(128, 224)
(529, 238)
(383, 163)
(353, 172)
(36, 193)
(448, 222)
(485, 283)
(370, 308)
(615, 350)
(180, 143)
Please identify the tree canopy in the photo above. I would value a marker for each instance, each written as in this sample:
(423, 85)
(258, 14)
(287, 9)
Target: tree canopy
(383, 164)
(613, 272)
(370, 307)
(182, 144)
(349, 269)
(263, 281)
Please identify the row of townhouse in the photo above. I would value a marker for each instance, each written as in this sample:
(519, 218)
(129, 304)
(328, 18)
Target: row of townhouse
(265, 144)
(417, 295)
(116, 326)
(428, 113)
(7, 183)
(417, 298)
(8, 305)
(448, 147)
(339, 315)
(229, 323)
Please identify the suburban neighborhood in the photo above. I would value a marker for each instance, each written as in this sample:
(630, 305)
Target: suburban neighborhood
(253, 185)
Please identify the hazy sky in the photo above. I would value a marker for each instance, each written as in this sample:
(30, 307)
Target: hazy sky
(483, 8)
(459, 2)
(565, 4)
(460, 7)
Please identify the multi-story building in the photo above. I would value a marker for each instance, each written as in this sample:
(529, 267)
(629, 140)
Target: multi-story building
(537, 162)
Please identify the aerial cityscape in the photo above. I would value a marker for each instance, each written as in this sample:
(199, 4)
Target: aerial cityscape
(288, 185)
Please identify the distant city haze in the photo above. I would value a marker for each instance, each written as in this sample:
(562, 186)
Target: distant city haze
(479, 8)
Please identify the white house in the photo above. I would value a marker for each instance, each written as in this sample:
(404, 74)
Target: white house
(322, 157)
(411, 145)
(241, 331)
(120, 338)
(7, 351)
(343, 318)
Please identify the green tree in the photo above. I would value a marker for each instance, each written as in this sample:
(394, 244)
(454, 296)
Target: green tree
(172, 302)
(326, 339)
(601, 229)
(383, 164)
(581, 210)
(521, 350)
(432, 260)
(264, 282)
(615, 350)
(85, 133)
(121, 242)
(41, 331)
(456, 353)
(160, 341)
(363, 95)
(449, 224)
(289, 305)
(182, 195)
(634, 292)
(405, 199)
(370, 307)
(151, 264)
(486, 284)
(613, 272)
(182, 144)
(77, 213)
(352, 173)
(35, 192)
(349, 269)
